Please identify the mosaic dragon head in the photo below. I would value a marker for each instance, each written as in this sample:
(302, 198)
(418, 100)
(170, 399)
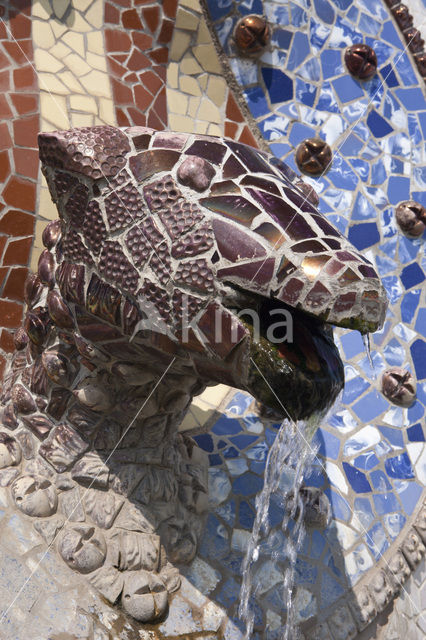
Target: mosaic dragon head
(163, 240)
(187, 231)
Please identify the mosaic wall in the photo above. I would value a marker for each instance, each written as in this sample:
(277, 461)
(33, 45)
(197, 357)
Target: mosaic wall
(68, 64)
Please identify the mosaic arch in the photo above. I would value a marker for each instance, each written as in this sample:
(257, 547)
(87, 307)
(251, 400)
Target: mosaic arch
(65, 64)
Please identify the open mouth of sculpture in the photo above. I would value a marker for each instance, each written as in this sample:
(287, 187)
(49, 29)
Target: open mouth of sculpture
(295, 367)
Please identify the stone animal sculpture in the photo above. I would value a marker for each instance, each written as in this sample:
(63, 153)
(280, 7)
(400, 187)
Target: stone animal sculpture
(162, 238)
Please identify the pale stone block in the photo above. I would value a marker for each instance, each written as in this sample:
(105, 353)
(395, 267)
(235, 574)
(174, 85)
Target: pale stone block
(97, 83)
(84, 103)
(207, 57)
(208, 111)
(77, 23)
(190, 66)
(52, 84)
(77, 65)
(44, 61)
(107, 111)
(191, 4)
(82, 120)
(95, 42)
(53, 108)
(42, 34)
(177, 102)
(95, 15)
(194, 105)
(58, 28)
(188, 84)
(180, 44)
(216, 90)
(71, 82)
(96, 62)
(75, 41)
(41, 9)
(201, 127)
(59, 50)
(172, 75)
(186, 20)
(203, 35)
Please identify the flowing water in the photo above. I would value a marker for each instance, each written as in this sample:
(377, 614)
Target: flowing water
(290, 456)
(367, 347)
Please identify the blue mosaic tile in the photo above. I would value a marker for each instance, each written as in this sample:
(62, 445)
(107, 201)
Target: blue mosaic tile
(364, 235)
(393, 436)
(370, 407)
(243, 441)
(339, 506)
(377, 540)
(409, 494)
(412, 99)
(356, 479)
(226, 426)
(250, 6)
(256, 97)
(412, 275)
(331, 589)
(361, 168)
(415, 433)
(399, 467)
(298, 15)
(369, 25)
(389, 76)
(324, 11)
(300, 49)
(247, 485)
(364, 512)
(366, 461)
(328, 445)
(386, 503)
(347, 89)
(278, 85)
(398, 189)
(354, 389)
(205, 442)
(305, 93)
(378, 126)
(394, 523)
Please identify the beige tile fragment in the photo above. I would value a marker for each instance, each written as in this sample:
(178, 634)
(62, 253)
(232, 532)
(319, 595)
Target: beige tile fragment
(191, 4)
(60, 6)
(186, 20)
(107, 111)
(216, 90)
(172, 75)
(201, 127)
(180, 44)
(203, 80)
(95, 42)
(208, 111)
(207, 57)
(50, 82)
(178, 102)
(95, 61)
(82, 120)
(215, 130)
(58, 28)
(188, 423)
(77, 65)
(95, 15)
(71, 81)
(203, 35)
(97, 83)
(75, 41)
(188, 84)
(77, 23)
(193, 106)
(46, 208)
(180, 123)
(83, 103)
(53, 109)
(45, 62)
(59, 50)
(215, 395)
(201, 413)
(41, 9)
(37, 249)
(189, 66)
(42, 34)
(83, 4)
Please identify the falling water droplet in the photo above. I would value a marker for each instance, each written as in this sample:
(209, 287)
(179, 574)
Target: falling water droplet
(289, 458)
(367, 347)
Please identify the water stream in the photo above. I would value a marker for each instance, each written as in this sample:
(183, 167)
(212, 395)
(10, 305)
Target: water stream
(290, 456)
(367, 347)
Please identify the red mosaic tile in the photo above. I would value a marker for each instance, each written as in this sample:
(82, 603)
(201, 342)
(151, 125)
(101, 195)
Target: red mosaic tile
(160, 105)
(20, 26)
(25, 78)
(166, 32)
(247, 137)
(4, 80)
(233, 111)
(14, 287)
(151, 18)
(137, 117)
(138, 61)
(4, 166)
(26, 162)
(6, 341)
(111, 15)
(5, 139)
(117, 40)
(142, 97)
(2, 366)
(169, 8)
(5, 111)
(4, 61)
(159, 55)
(130, 19)
(17, 252)
(17, 223)
(151, 81)
(11, 314)
(231, 129)
(122, 119)
(25, 131)
(3, 240)
(21, 52)
(142, 40)
(25, 102)
(3, 273)
(20, 193)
